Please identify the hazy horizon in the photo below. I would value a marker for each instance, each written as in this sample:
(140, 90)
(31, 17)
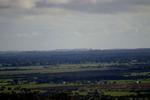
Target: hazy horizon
(33, 25)
(74, 49)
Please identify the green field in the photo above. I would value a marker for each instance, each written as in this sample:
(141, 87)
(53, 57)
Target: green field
(27, 78)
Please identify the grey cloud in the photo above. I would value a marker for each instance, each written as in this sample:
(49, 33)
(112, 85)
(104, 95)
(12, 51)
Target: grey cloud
(100, 6)
(87, 6)
(109, 7)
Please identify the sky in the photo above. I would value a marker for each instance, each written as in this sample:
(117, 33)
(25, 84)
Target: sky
(72, 24)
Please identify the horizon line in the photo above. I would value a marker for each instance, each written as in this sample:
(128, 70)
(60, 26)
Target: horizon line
(73, 49)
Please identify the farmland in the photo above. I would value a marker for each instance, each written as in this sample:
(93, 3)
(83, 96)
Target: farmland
(115, 74)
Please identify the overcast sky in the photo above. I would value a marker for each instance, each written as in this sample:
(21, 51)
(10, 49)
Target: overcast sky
(69, 24)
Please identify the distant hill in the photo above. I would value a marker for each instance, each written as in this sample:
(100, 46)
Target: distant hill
(73, 56)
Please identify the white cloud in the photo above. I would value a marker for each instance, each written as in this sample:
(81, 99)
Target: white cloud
(16, 3)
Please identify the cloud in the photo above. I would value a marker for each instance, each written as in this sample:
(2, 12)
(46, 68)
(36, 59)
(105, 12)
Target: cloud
(16, 4)
(73, 1)
(28, 35)
(95, 6)
(106, 6)
(84, 6)
(58, 1)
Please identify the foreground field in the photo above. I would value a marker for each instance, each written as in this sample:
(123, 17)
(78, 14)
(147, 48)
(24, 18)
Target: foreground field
(78, 81)
(71, 91)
